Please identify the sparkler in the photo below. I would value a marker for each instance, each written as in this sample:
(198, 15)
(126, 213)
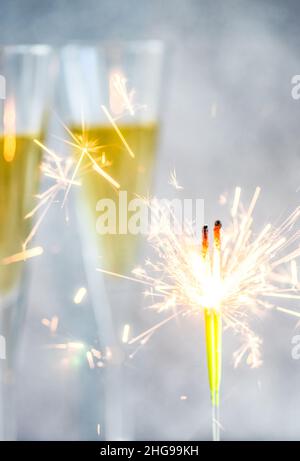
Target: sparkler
(256, 272)
(63, 171)
(213, 325)
(65, 175)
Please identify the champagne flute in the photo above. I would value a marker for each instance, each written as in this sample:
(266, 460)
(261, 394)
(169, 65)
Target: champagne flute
(28, 73)
(114, 94)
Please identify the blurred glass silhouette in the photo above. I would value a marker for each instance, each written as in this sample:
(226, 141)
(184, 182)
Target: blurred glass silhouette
(28, 73)
(114, 93)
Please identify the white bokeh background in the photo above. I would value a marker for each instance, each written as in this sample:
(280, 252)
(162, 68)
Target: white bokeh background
(240, 57)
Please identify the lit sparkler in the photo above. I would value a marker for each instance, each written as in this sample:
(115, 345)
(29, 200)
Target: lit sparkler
(245, 275)
(213, 323)
(58, 170)
(66, 173)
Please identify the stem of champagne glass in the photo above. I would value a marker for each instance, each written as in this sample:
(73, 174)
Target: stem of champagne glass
(12, 315)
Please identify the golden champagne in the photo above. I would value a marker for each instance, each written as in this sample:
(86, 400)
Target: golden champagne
(117, 252)
(19, 177)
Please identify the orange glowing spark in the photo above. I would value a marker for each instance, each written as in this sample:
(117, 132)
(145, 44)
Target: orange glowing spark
(71, 346)
(9, 125)
(74, 345)
(22, 256)
(45, 322)
(51, 324)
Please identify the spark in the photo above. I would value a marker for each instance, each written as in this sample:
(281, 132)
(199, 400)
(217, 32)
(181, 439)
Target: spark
(108, 353)
(173, 181)
(57, 169)
(75, 345)
(45, 322)
(51, 324)
(86, 147)
(79, 295)
(62, 172)
(120, 97)
(74, 349)
(23, 255)
(117, 129)
(71, 346)
(223, 199)
(288, 311)
(254, 273)
(90, 359)
(126, 331)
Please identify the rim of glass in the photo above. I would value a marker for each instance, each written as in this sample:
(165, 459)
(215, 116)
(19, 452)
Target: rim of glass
(36, 49)
(155, 46)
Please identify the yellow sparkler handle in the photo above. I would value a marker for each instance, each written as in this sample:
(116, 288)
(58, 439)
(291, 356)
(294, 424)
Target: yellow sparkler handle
(213, 330)
(213, 318)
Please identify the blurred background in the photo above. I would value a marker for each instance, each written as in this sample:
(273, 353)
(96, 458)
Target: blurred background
(228, 119)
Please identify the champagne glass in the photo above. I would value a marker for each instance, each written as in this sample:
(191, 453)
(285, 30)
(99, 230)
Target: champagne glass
(27, 73)
(114, 94)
